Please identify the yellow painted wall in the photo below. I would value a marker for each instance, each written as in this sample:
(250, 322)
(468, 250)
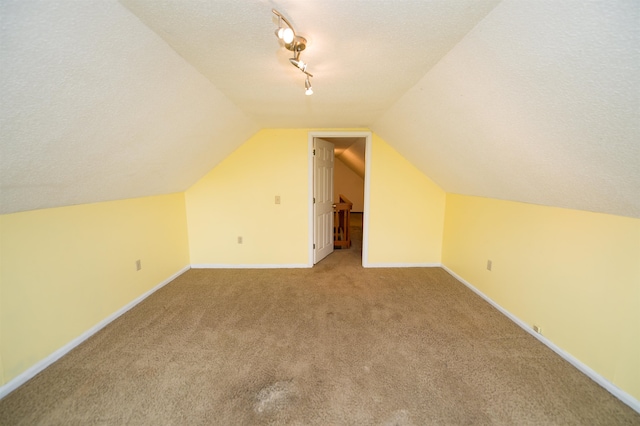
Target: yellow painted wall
(574, 273)
(64, 270)
(406, 216)
(237, 198)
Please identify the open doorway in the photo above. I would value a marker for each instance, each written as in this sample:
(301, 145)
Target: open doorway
(350, 181)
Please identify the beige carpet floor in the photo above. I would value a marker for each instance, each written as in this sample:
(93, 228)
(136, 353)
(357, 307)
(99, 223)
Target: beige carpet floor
(333, 345)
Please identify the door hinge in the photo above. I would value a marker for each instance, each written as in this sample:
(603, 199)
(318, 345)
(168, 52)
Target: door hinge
(314, 200)
(314, 246)
(314, 152)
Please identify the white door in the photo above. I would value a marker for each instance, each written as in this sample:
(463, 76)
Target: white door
(323, 199)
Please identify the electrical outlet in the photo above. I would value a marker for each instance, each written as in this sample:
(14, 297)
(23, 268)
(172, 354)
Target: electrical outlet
(239, 240)
(277, 199)
(138, 265)
(537, 329)
(489, 265)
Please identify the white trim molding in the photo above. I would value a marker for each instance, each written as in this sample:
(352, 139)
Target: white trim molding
(585, 369)
(29, 373)
(402, 265)
(248, 266)
(367, 135)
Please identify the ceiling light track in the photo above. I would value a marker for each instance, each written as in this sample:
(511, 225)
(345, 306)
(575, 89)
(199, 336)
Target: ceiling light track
(296, 44)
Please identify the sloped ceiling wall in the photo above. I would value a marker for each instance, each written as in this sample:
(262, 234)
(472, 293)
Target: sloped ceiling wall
(96, 107)
(351, 152)
(540, 103)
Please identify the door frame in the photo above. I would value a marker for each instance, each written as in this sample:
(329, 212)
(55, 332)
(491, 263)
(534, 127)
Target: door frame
(367, 185)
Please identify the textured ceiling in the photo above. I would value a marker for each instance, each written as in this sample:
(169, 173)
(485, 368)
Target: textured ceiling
(96, 107)
(540, 103)
(363, 54)
(533, 101)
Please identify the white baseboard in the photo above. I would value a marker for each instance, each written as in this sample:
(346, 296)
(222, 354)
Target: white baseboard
(248, 266)
(29, 373)
(401, 265)
(44, 363)
(588, 371)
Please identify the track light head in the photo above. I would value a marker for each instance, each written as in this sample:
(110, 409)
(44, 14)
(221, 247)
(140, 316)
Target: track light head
(284, 33)
(287, 35)
(298, 63)
(307, 86)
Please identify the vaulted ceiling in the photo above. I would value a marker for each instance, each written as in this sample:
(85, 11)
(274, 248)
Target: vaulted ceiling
(533, 101)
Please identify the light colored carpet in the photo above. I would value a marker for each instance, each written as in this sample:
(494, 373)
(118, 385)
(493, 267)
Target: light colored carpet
(332, 345)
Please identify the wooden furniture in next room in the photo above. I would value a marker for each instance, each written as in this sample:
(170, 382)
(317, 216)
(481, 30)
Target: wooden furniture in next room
(341, 219)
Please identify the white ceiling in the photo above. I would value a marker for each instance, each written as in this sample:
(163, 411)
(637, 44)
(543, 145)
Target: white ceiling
(363, 54)
(534, 101)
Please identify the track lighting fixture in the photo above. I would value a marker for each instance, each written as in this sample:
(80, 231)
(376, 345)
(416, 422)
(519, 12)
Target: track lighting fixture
(296, 44)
